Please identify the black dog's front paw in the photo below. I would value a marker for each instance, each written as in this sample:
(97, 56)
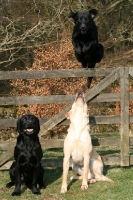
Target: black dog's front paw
(10, 184)
(35, 191)
(16, 193)
(78, 50)
(42, 185)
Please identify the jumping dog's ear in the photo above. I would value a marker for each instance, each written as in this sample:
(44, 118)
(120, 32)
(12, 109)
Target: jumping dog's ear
(93, 13)
(72, 15)
(67, 115)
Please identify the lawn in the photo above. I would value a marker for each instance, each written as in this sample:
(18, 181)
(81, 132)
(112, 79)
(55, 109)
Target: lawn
(121, 190)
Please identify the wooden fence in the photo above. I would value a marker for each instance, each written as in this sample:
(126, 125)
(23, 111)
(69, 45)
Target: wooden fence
(93, 95)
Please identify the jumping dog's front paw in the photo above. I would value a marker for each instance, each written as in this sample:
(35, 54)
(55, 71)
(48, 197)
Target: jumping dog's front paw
(85, 48)
(78, 50)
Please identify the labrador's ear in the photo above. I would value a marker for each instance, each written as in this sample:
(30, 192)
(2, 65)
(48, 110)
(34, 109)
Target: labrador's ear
(67, 115)
(18, 125)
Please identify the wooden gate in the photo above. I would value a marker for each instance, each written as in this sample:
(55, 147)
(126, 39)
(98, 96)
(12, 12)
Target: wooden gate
(93, 94)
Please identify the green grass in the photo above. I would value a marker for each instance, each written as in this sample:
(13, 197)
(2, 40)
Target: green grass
(53, 152)
(121, 190)
(105, 135)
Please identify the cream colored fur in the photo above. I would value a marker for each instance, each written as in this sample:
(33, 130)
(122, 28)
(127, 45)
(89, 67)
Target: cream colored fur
(86, 161)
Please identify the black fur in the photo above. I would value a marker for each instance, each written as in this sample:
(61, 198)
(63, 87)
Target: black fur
(88, 51)
(27, 169)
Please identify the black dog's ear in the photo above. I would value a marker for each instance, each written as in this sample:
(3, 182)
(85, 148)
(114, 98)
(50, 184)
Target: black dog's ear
(93, 13)
(72, 15)
(37, 125)
(18, 125)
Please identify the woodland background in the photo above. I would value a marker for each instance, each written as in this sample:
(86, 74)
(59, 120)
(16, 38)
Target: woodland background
(36, 35)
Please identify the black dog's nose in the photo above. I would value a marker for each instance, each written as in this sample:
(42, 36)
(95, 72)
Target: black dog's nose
(83, 26)
(29, 122)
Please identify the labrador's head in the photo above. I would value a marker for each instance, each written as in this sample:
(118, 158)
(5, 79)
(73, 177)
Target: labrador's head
(28, 124)
(79, 110)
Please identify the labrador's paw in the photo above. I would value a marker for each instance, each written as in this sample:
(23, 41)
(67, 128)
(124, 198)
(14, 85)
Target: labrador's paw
(93, 181)
(84, 186)
(63, 189)
(74, 177)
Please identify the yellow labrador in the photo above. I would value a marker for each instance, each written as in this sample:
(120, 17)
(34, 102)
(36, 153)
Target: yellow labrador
(86, 161)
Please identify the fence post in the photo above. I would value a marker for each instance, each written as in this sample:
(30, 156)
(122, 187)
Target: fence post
(124, 129)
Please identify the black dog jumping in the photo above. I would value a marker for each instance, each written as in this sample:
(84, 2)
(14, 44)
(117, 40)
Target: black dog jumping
(88, 51)
(27, 169)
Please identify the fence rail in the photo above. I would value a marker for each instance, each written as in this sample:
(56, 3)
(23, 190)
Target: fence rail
(107, 119)
(92, 95)
(62, 73)
(59, 99)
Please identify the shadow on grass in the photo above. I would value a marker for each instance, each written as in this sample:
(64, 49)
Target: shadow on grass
(51, 175)
(71, 183)
(53, 152)
(108, 152)
(106, 168)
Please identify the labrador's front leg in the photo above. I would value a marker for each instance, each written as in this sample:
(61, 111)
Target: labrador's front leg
(34, 162)
(65, 173)
(84, 185)
(34, 188)
(17, 190)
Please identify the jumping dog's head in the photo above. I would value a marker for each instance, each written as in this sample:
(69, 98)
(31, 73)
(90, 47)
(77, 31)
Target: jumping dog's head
(83, 20)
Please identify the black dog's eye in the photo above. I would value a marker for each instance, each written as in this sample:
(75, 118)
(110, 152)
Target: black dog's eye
(32, 119)
(24, 119)
(86, 19)
(80, 19)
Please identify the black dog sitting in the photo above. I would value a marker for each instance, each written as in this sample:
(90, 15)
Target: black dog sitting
(27, 169)
(85, 39)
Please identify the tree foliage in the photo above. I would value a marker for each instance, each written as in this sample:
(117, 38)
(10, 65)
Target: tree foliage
(26, 25)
